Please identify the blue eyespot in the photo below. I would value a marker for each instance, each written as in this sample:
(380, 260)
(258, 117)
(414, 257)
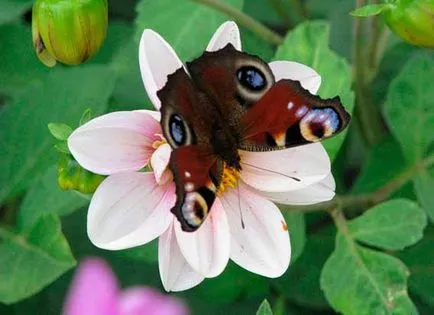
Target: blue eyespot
(251, 78)
(177, 129)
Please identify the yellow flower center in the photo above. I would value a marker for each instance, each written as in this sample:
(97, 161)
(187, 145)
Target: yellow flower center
(229, 179)
(158, 142)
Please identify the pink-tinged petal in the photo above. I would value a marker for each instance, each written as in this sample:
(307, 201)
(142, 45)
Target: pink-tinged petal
(175, 272)
(157, 60)
(115, 142)
(322, 191)
(308, 77)
(153, 113)
(129, 209)
(227, 33)
(259, 236)
(285, 170)
(141, 301)
(159, 162)
(207, 249)
(93, 291)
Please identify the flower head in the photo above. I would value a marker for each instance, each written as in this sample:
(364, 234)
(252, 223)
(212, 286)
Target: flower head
(132, 207)
(94, 291)
(68, 31)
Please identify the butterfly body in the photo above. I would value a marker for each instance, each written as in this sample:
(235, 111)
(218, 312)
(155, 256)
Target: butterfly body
(226, 101)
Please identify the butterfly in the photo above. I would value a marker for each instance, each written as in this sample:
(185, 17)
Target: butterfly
(225, 101)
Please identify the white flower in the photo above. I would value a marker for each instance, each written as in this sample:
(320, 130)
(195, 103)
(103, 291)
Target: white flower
(131, 208)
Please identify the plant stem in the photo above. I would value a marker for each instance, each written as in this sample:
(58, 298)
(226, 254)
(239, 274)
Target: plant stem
(367, 114)
(245, 20)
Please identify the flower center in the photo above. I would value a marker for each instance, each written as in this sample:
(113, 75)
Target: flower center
(229, 179)
(158, 142)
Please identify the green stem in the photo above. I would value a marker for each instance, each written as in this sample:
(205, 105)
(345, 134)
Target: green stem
(245, 20)
(367, 114)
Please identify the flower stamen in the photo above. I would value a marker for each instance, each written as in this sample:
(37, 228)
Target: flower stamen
(158, 142)
(229, 179)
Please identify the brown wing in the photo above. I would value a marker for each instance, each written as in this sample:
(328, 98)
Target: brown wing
(288, 115)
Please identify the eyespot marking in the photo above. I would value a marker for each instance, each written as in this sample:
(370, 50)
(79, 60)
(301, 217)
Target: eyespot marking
(177, 129)
(189, 187)
(301, 111)
(251, 78)
(319, 124)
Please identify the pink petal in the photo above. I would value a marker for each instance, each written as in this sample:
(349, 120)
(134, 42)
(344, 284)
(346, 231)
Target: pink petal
(115, 142)
(157, 60)
(93, 291)
(175, 272)
(322, 191)
(260, 240)
(285, 170)
(159, 162)
(141, 301)
(227, 33)
(207, 249)
(129, 209)
(308, 77)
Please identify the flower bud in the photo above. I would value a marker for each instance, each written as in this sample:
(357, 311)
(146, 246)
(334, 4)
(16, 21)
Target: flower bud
(68, 31)
(412, 20)
(71, 175)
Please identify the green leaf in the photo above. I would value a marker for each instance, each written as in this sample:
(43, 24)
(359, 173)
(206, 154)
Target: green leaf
(30, 262)
(186, 25)
(300, 284)
(391, 225)
(423, 184)
(60, 131)
(18, 62)
(86, 117)
(420, 261)
(370, 9)
(46, 197)
(361, 281)
(264, 309)
(62, 96)
(13, 9)
(308, 44)
(409, 110)
(384, 162)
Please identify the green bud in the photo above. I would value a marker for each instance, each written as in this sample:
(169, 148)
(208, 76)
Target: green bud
(412, 20)
(69, 31)
(71, 175)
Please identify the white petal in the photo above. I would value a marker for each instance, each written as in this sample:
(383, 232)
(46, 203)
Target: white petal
(227, 33)
(285, 170)
(322, 191)
(308, 77)
(129, 209)
(153, 113)
(260, 240)
(207, 249)
(157, 60)
(115, 142)
(175, 272)
(159, 162)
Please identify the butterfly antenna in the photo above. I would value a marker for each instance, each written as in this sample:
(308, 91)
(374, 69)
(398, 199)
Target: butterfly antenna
(274, 172)
(239, 207)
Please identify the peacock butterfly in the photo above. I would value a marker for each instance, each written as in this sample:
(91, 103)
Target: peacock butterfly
(225, 101)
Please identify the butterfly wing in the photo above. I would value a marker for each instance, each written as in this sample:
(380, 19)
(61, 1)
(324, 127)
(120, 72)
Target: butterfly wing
(288, 115)
(187, 123)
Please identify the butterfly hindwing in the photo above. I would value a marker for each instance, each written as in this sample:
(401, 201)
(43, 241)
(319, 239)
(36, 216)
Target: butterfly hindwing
(288, 115)
(197, 175)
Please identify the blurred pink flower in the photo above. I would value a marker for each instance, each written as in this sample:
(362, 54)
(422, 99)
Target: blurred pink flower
(95, 291)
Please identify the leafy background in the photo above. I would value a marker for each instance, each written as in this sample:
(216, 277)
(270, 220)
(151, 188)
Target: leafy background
(370, 251)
